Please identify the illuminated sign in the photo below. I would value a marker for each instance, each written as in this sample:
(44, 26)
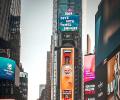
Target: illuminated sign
(7, 68)
(113, 77)
(69, 21)
(89, 68)
(90, 89)
(67, 74)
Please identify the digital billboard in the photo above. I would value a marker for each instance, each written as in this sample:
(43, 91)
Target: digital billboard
(69, 23)
(107, 29)
(113, 77)
(89, 89)
(108, 79)
(7, 68)
(67, 74)
(89, 68)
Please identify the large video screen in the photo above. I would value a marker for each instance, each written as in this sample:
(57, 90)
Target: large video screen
(67, 74)
(69, 23)
(7, 68)
(89, 68)
(109, 33)
(113, 77)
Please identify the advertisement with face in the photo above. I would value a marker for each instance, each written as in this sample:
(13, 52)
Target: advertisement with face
(113, 78)
(7, 68)
(67, 74)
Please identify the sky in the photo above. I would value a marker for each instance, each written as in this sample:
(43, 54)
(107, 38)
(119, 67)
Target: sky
(36, 30)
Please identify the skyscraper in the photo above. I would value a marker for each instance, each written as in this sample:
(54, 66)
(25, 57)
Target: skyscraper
(67, 32)
(107, 45)
(48, 81)
(10, 42)
(10, 27)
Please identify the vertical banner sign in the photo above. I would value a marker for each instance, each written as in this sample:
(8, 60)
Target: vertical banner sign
(67, 74)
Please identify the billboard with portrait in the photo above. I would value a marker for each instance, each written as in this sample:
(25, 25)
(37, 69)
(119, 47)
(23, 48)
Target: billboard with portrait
(67, 74)
(108, 36)
(89, 68)
(113, 77)
(7, 68)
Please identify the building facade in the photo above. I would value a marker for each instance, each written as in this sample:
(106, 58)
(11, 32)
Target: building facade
(67, 32)
(10, 42)
(48, 80)
(23, 86)
(41, 91)
(107, 47)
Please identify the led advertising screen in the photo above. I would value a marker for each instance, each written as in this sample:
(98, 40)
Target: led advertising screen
(67, 74)
(7, 68)
(90, 89)
(69, 23)
(109, 36)
(113, 77)
(89, 68)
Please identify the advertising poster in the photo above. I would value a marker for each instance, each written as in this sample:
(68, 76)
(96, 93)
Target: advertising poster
(113, 78)
(89, 68)
(7, 68)
(89, 92)
(89, 77)
(69, 23)
(67, 74)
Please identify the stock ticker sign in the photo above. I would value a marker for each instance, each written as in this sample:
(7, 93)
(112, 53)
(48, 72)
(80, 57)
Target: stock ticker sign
(69, 23)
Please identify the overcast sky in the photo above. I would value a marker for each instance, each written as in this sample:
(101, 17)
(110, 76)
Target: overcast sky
(36, 30)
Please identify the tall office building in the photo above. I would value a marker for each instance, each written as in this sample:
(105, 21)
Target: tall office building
(10, 27)
(23, 86)
(88, 44)
(48, 80)
(66, 41)
(14, 30)
(107, 45)
(41, 89)
(10, 43)
(4, 23)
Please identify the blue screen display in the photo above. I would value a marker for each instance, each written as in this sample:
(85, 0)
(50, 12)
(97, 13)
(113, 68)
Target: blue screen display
(69, 23)
(7, 68)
